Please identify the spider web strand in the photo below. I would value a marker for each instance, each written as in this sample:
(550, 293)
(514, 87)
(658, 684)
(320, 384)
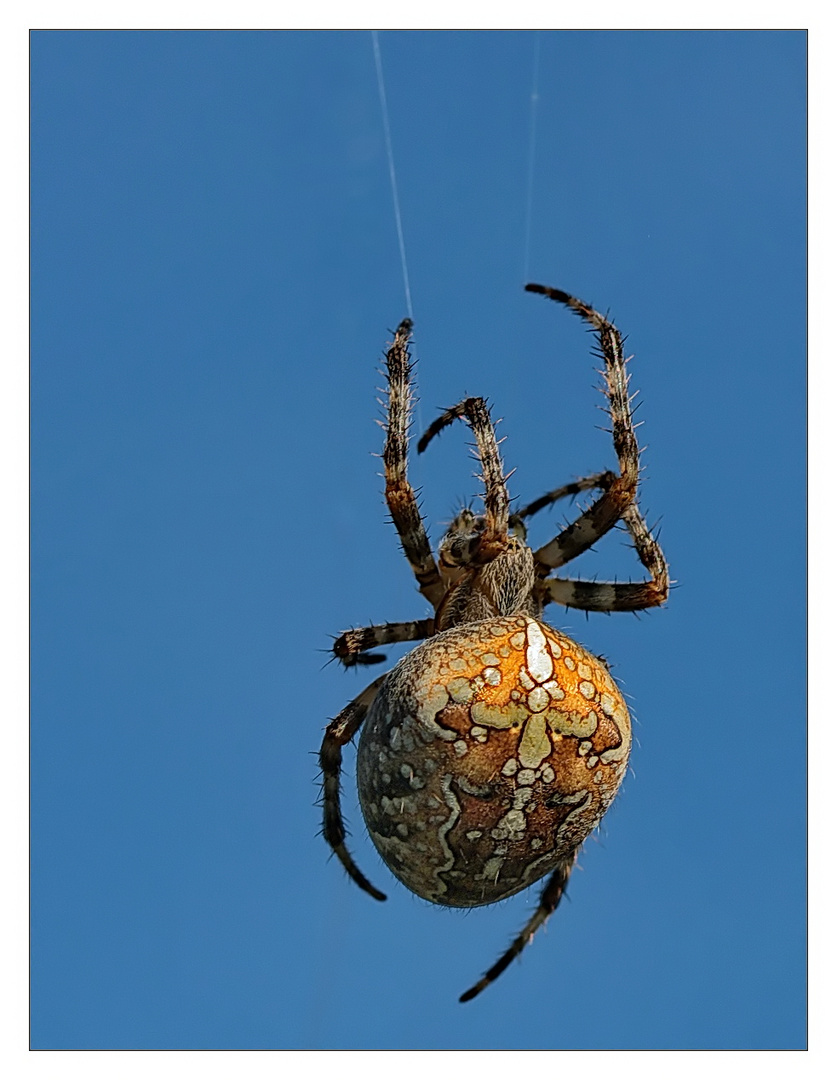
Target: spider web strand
(530, 180)
(391, 159)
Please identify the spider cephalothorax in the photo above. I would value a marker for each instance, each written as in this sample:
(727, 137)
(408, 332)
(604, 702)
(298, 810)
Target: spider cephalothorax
(492, 750)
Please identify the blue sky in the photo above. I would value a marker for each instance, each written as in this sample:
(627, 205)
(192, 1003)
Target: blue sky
(214, 274)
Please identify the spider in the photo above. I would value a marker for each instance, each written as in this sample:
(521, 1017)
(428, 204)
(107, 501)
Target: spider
(493, 749)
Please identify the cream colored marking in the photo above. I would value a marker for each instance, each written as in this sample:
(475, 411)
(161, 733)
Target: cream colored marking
(618, 753)
(492, 676)
(518, 640)
(554, 648)
(538, 699)
(547, 773)
(573, 723)
(584, 747)
(538, 661)
(498, 716)
(525, 681)
(586, 689)
(461, 691)
(535, 843)
(577, 799)
(457, 664)
(569, 663)
(534, 744)
(526, 776)
(510, 826)
(402, 830)
(460, 748)
(406, 771)
(521, 797)
(474, 834)
(491, 870)
(431, 703)
(490, 658)
(554, 690)
(455, 810)
(592, 761)
(511, 767)
(585, 671)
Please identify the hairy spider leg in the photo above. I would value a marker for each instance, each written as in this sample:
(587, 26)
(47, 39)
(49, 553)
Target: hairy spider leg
(550, 898)
(591, 525)
(340, 731)
(475, 411)
(602, 480)
(619, 596)
(401, 499)
(352, 645)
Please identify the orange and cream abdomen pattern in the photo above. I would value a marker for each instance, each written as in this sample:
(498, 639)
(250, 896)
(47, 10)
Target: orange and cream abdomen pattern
(489, 754)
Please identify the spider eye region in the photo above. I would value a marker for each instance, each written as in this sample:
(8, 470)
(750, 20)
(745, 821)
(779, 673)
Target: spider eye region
(463, 543)
(488, 755)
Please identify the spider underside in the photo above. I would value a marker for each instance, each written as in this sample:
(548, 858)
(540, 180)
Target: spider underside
(491, 751)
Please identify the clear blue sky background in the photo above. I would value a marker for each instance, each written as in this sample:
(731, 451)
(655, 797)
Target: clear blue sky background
(215, 271)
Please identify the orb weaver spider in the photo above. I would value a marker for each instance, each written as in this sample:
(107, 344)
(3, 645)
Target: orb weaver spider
(493, 749)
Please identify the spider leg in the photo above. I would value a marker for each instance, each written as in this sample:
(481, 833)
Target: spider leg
(340, 731)
(474, 410)
(621, 596)
(620, 493)
(601, 480)
(401, 499)
(550, 898)
(351, 646)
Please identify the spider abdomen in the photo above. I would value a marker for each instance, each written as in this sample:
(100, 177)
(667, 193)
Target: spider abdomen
(488, 755)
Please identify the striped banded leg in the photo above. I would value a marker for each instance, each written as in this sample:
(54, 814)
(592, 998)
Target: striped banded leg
(339, 732)
(620, 596)
(351, 647)
(401, 499)
(620, 493)
(602, 480)
(495, 534)
(550, 898)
